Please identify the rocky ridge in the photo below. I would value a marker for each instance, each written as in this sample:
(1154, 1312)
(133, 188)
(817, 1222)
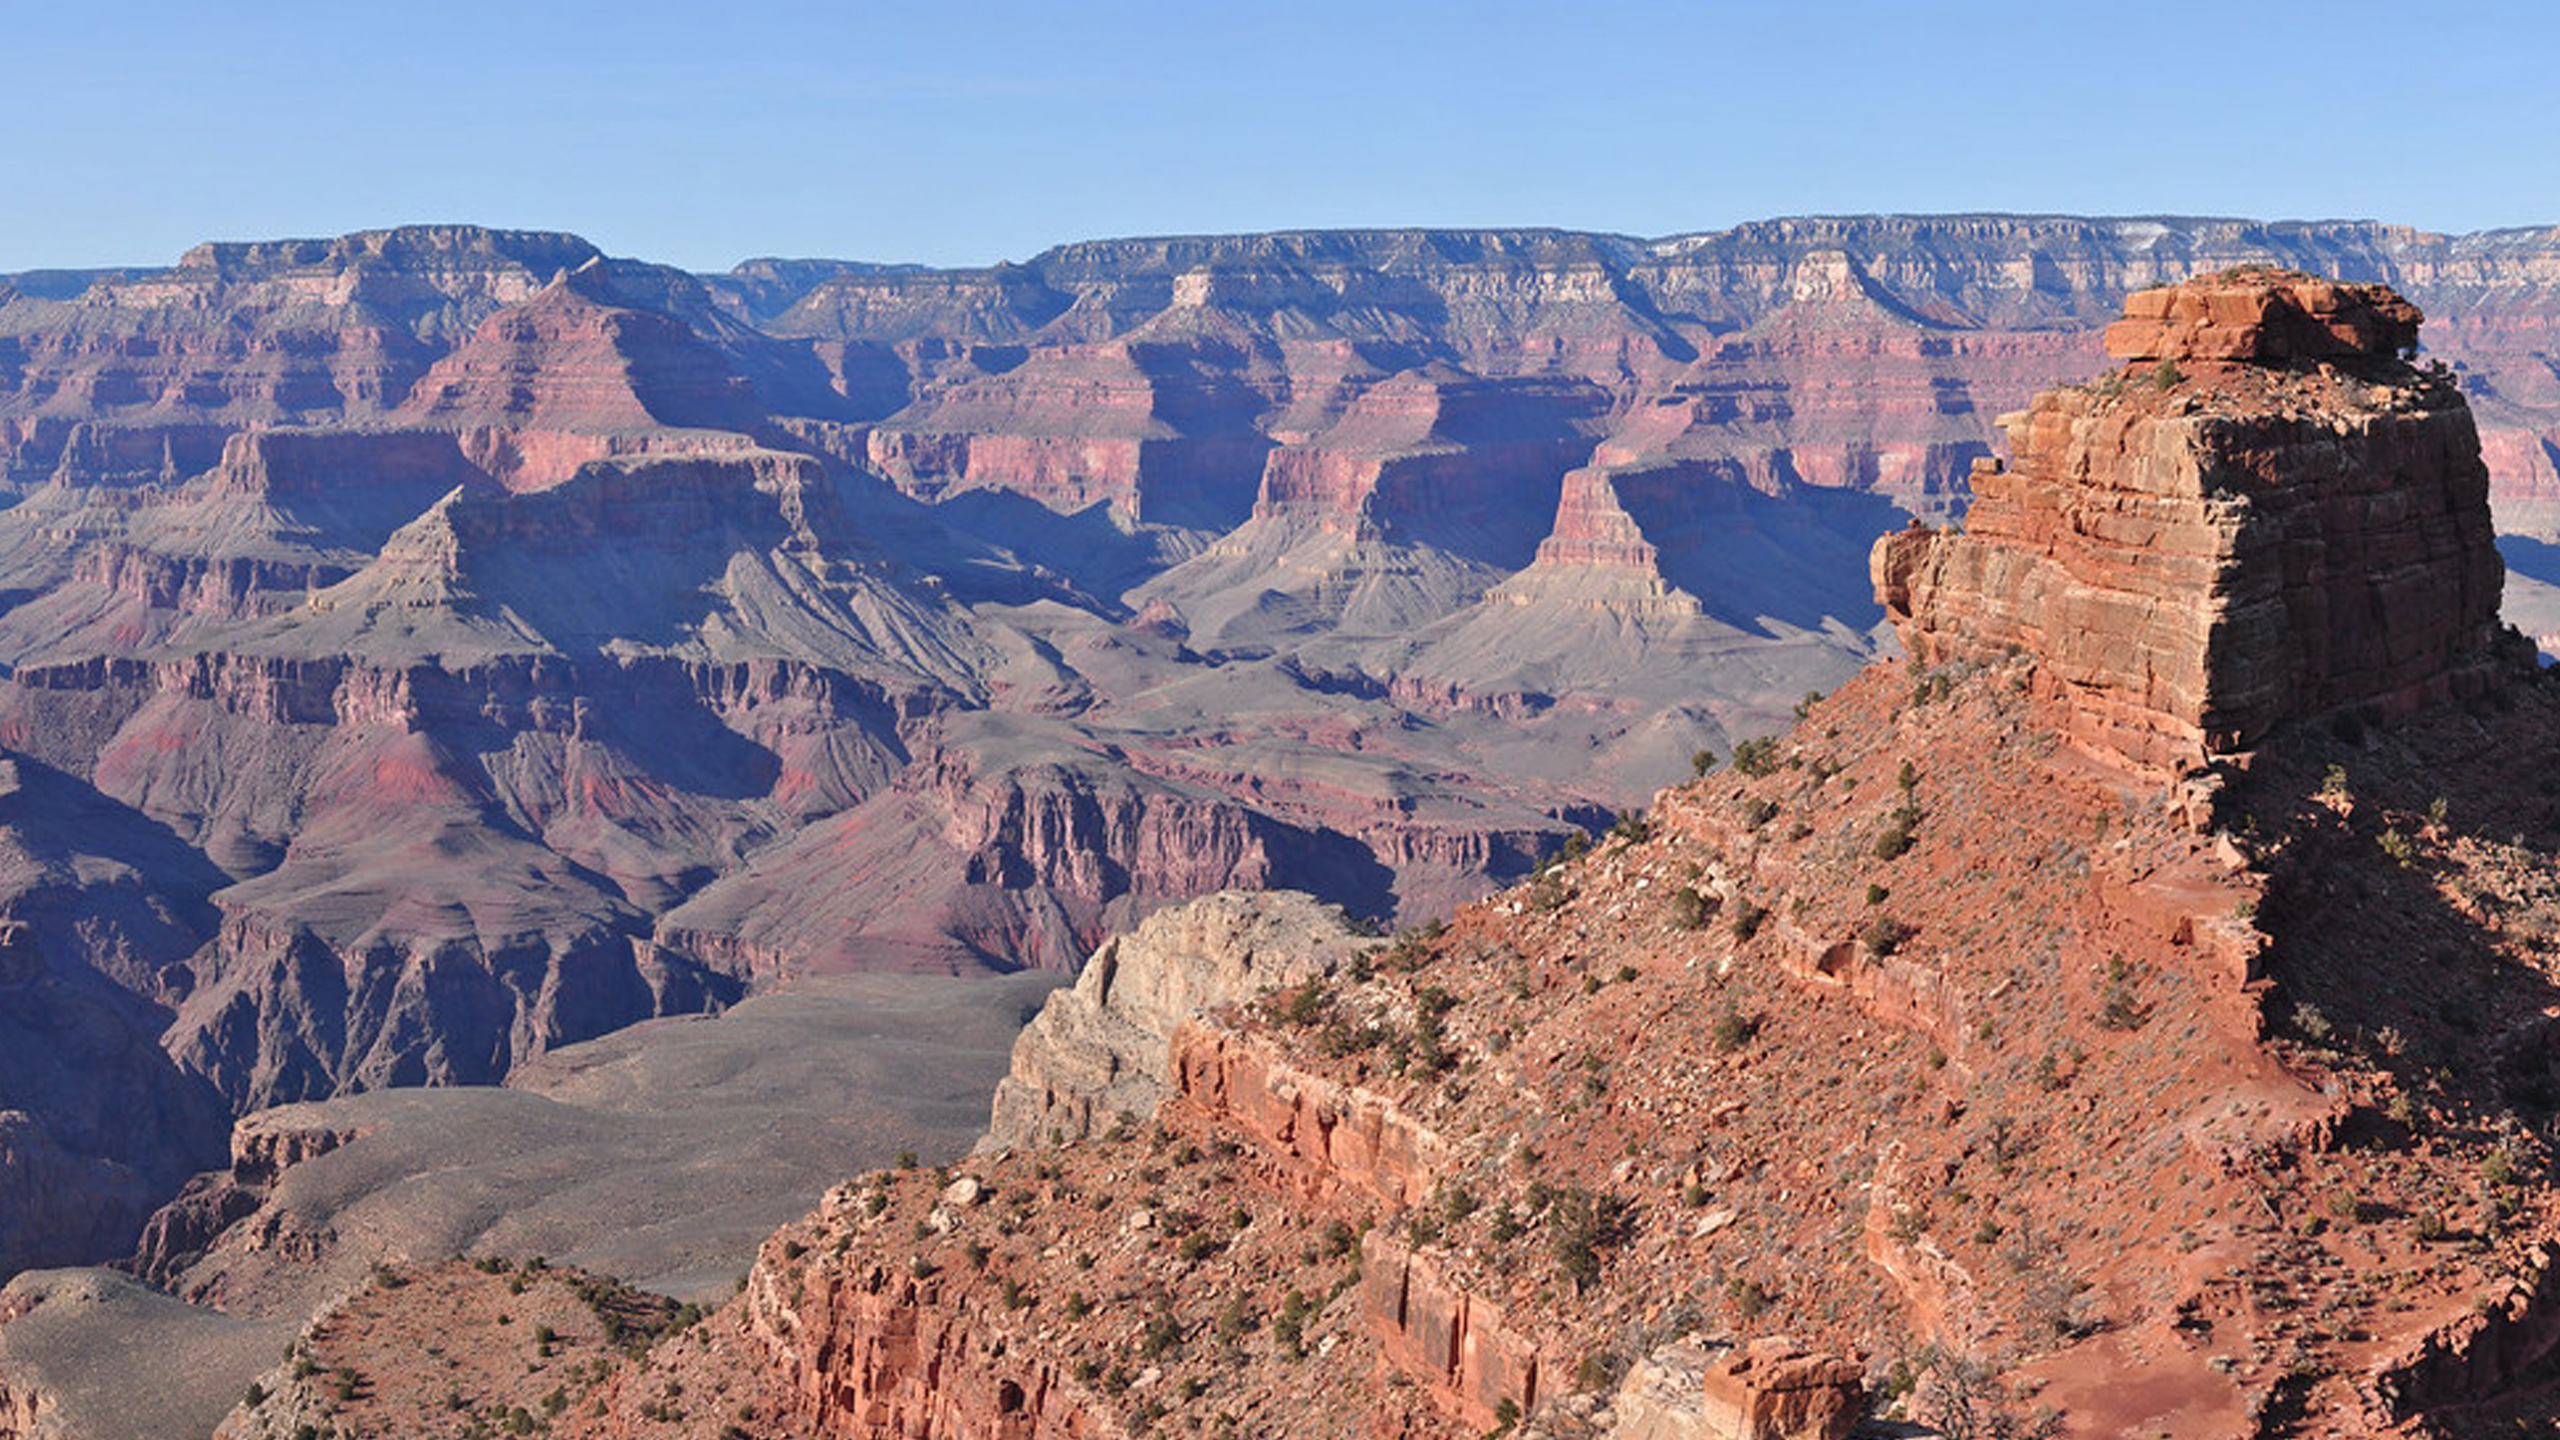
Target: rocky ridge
(1917, 1061)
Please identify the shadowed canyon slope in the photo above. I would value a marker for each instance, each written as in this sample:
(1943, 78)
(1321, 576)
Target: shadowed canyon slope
(481, 643)
(2133, 1015)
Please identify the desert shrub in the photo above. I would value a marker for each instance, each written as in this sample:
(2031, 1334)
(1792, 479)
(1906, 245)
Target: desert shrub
(1290, 1326)
(1701, 761)
(1632, 827)
(1733, 1029)
(1548, 892)
(1750, 1298)
(2118, 1007)
(1432, 1005)
(1339, 1239)
(1757, 811)
(1757, 758)
(1747, 916)
(1581, 1225)
(1885, 934)
(2498, 1168)
(1306, 1004)
(1688, 908)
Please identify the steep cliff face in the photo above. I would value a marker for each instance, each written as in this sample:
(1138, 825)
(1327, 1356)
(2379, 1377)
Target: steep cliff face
(2266, 515)
(140, 376)
(99, 1125)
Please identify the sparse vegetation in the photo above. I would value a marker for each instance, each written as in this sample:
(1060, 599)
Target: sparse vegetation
(1733, 1029)
(1757, 758)
(1580, 1226)
(2118, 1006)
(1747, 916)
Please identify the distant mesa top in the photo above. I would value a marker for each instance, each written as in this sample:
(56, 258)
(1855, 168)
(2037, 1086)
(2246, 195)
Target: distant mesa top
(2263, 314)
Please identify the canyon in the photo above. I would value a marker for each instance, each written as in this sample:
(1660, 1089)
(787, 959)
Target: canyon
(2002, 1048)
(430, 650)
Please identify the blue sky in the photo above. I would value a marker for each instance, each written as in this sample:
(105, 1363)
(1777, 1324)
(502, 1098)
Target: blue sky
(959, 133)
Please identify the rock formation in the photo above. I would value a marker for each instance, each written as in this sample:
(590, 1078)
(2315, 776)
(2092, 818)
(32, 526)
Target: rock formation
(2268, 514)
(1103, 1049)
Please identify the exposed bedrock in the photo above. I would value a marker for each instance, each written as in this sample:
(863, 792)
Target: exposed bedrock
(2267, 514)
(1105, 1047)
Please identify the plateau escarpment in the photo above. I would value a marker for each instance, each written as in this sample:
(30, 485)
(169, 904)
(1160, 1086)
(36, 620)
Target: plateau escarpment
(1924, 1060)
(509, 642)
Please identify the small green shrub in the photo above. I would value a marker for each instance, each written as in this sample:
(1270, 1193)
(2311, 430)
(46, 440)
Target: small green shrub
(1733, 1029)
(2498, 1168)
(1688, 909)
(1747, 916)
(1885, 934)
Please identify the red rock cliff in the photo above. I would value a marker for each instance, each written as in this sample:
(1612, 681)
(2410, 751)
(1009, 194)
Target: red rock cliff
(2266, 514)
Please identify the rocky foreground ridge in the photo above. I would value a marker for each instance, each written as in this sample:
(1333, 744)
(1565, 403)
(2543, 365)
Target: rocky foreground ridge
(1939, 1058)
(459, 643)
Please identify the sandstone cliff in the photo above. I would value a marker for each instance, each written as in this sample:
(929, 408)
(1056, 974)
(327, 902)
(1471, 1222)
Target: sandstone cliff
(2266, 515)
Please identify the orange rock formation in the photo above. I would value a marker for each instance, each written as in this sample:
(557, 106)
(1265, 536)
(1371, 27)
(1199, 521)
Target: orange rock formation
(2266, 514)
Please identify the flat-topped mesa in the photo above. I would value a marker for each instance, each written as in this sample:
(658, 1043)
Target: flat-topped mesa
(2268, 513)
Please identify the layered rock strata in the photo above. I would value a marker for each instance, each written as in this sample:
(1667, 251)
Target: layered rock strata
(2266, 514)
(1104, 1048)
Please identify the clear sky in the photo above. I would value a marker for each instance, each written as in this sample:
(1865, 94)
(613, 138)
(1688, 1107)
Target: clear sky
(964, 133)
